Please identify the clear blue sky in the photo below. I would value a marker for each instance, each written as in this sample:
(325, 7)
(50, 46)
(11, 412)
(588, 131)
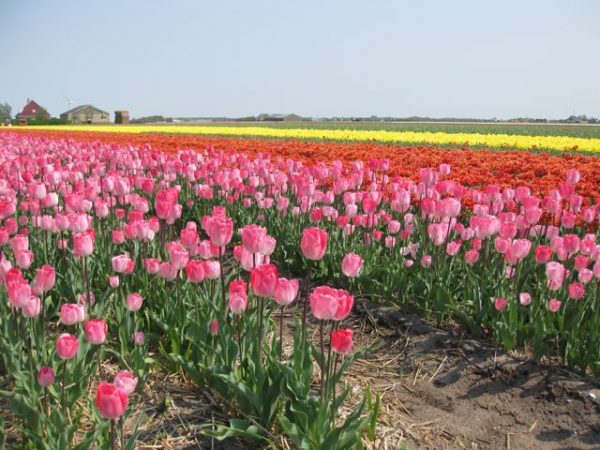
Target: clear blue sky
(316, 58)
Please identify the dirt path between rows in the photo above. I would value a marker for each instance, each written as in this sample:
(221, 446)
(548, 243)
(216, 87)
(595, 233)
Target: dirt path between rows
(441, 391)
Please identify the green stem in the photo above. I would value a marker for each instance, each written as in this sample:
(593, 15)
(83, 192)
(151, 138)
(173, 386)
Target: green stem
(308, 275)
(63, 395)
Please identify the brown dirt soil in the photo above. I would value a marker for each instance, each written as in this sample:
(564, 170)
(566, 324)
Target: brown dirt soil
(442, 391)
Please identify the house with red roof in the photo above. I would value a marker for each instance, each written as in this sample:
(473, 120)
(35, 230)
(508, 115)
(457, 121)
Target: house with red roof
(32, 110)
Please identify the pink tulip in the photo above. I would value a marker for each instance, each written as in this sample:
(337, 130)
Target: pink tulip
(352, 265)
(45, 376)
(212, 269)
(122, 264)
(471, 256)
(44, 280)
(543, 254)
(585, 276)
(341, 341)
(214, 327)
(313, 243)
(24, 259)
(19, 243)
(263, 280)
(554, 304)
(139, 338)
(426, 261)
(453, 248)
(19, 292)
(167, 271)
(525, 298)
(555, 274)
(189, 236)
(252, 236)
(126, 382)
(152, 265)
(286, 291)
(194, 271)
(83, 243)
(111, 401)
(134, 302)
(113, 281)
(267, 245)
(67, 346)
(576, 291)
(118, 237)
(324, 302)
(72, 313)
(345, 302)
(238, 296)
(178, 255)
(220, 230)
(32, 308)
(95, 331)
(500, 304)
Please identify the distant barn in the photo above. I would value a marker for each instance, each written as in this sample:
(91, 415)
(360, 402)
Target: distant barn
(86, 114)
(32, 110)
(122, 116)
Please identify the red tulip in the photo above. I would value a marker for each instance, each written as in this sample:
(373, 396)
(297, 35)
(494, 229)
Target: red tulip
(341, 341)
(95, 331)
(263, 280)
(111, 401)
(313, 243)
(67, 346)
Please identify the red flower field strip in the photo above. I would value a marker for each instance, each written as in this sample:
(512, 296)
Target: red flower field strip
(538, 171)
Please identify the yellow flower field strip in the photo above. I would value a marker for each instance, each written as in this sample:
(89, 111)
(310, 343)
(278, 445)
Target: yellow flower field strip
(436, 138)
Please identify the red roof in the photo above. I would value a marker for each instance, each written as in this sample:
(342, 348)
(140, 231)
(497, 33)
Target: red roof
(31, 110)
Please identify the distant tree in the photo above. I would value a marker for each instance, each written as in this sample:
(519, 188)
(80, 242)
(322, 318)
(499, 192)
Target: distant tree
(5, 112)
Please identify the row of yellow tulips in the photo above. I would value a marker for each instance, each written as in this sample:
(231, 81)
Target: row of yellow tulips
(469, 139)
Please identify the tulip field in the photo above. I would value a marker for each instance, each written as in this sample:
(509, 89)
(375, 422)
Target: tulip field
(244, 266)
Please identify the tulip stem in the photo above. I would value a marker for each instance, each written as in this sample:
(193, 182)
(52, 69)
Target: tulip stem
(63, 396)
(281, 330)
(260, 328)
(322, 361)
(222, 274)
(99, 356)
(113, 443)
(308, 274)
(333, 381)
(86, 281)
(238, 324)
(46, 404)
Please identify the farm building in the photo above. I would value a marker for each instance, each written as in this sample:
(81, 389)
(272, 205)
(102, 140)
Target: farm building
(122, 116)
(86, 114)
(32, 110)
